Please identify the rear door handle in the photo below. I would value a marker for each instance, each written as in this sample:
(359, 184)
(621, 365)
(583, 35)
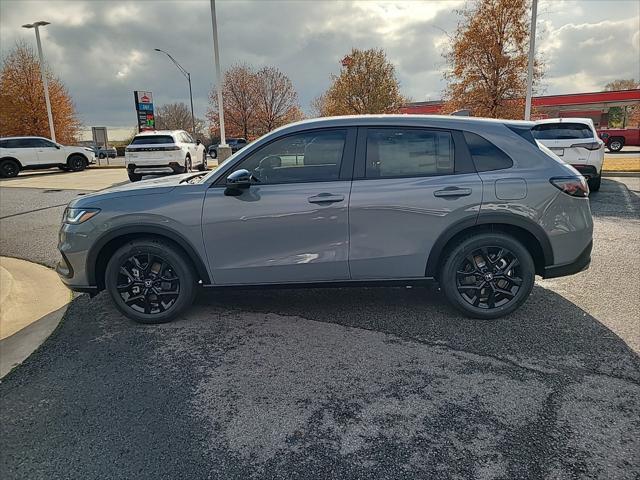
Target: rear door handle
(452, 192)
(325, 198)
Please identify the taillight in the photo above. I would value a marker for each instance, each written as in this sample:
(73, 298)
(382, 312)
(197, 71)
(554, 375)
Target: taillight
(574, 186)
(588, 146)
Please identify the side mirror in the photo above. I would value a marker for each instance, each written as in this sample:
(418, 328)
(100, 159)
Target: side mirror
(240, 179)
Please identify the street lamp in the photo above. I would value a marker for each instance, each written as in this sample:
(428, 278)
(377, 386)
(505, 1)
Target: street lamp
(188, 76)
(36, 25)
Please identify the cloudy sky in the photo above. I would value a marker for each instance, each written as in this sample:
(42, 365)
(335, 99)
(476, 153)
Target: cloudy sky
(103, 50)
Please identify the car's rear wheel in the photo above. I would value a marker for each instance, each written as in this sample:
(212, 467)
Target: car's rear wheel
(213, 153)
(134, 177)
(9, 168)
(76, 163)
(616, 144)
(487, 275)
(594, 183)
(187, 164)
(150, 281)
(101, 156)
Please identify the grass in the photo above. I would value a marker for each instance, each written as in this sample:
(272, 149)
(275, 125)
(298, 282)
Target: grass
(626, 164)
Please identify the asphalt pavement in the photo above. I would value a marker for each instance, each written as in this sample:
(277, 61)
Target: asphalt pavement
(335, 383)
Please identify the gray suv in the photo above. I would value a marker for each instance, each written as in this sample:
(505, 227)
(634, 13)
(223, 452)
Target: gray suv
(474, 204)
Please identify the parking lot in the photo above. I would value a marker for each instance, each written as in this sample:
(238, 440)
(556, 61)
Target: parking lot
(333, 383)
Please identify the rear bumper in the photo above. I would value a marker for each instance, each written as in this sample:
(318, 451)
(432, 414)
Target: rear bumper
(578, 265)
(172, 167)
(588, 171)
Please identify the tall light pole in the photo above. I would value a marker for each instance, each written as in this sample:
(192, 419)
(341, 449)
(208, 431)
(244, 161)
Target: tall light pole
(36, 25)
(223, 140)
(532, 50)
(188, 76)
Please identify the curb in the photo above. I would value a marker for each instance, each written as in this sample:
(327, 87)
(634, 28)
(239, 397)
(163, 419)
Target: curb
(620, 174)
(27, 328)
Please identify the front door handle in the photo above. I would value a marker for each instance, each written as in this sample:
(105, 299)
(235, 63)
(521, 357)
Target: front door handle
(452, 192)
(325, 198)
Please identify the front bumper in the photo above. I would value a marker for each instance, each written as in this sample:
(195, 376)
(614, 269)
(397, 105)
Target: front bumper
(578, 265)
(172, 167)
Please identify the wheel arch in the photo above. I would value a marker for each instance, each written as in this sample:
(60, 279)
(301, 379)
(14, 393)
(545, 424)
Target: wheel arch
(78, 154)
(531, 235)
(106, 246)
(14, 159)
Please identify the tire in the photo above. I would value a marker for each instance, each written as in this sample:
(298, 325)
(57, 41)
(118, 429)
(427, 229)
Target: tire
(187, 164)
(76, 163)
(615, 144)
(140, 297)
(134, 177)
(102, 156)
(213, 153)
(64, 168)
(9, 168)
(594, 183)
(203, 166)
(463, 290)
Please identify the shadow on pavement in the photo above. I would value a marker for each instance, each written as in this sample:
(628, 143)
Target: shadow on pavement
(614, 200)
(332, 383)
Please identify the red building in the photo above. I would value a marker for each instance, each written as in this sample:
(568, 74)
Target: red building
(594, 105)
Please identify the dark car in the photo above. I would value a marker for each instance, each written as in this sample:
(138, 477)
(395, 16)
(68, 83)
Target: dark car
(235, 144)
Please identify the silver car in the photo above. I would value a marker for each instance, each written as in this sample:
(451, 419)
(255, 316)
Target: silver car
(474, 204)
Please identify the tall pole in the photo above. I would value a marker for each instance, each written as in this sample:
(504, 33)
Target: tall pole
(223, 140)
(193, 118)
(532, 49)
(35, 26)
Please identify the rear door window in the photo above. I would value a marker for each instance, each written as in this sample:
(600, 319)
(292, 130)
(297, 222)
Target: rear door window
(486, 156)
(408, 152)
(561, 131)
(22, 143)
(152, 140)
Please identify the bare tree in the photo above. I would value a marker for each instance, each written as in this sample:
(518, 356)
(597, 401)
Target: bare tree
(239, 104)
(276, 100)
(177, 116)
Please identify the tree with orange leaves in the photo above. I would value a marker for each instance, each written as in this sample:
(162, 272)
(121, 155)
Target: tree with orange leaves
(488, 60)
(22, 106)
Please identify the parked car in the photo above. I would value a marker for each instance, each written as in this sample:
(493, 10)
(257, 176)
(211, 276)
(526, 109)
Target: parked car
(235, 144)
(104, 152)
(475, 204)
(616, 138)
(30, 153)
(162, 152)
(575, 141)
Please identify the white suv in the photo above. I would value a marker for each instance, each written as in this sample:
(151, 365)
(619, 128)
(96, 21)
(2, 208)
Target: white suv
(163, 151)
(30, 153)
(576, 142)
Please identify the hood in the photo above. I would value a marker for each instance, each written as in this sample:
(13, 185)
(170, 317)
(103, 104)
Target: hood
(129, 189)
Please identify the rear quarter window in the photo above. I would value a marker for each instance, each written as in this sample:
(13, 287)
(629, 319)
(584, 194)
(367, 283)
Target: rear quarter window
(152, 140)
(486, 156)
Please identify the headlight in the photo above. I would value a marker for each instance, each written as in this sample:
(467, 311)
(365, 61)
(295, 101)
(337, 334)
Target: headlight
(76, 216)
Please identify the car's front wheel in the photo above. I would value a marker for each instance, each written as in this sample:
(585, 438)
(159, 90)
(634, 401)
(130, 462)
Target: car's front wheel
(150, 281)
(76, 163)
(203, 166)
(487, 275)
(134, 177)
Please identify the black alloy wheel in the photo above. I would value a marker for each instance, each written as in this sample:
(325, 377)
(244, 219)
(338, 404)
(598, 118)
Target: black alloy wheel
(489, 277)
(150, 281)
(9, 168)
(76, 163)
(187, 164)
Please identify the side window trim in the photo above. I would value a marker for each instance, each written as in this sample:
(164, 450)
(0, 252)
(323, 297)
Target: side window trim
(462, 162)
(346, 167)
